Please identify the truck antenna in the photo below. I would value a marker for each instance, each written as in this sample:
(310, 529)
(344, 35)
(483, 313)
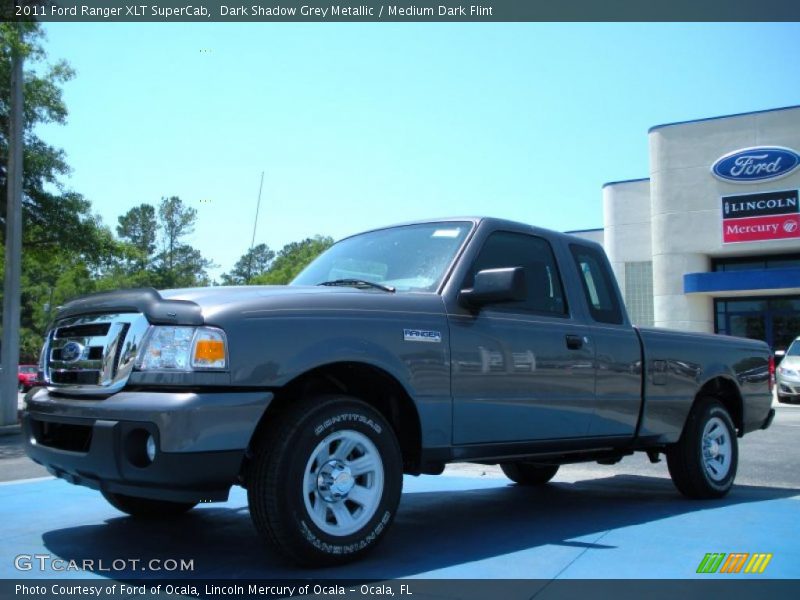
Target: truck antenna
(255, 225)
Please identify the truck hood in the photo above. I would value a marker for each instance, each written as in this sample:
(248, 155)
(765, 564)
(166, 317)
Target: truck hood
(227, 294)
(791, 362)
(225, 303)
(221, 304)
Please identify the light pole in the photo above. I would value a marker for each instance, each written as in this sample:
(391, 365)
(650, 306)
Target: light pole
(9, 351)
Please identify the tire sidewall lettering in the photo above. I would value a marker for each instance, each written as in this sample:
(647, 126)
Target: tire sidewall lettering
(343, 549)
(346, 418)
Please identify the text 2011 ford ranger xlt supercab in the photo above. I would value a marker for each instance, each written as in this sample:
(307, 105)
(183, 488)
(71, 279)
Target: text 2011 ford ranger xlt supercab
(396, 351)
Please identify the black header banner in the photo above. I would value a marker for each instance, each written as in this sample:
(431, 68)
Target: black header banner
(409, 11)
(760, 205)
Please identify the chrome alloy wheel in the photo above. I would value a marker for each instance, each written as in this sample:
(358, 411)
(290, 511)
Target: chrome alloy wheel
(717, 449)
(343, 482)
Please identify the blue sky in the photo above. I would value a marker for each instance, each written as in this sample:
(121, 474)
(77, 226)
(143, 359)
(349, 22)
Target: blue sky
(362, 125)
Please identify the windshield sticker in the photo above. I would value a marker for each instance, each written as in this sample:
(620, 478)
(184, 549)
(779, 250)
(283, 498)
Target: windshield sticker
(446, 233)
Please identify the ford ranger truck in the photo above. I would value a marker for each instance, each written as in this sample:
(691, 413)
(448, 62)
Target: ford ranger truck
(396, 351)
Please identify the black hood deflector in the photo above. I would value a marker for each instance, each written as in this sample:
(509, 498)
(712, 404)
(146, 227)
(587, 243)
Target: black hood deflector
(142, 300)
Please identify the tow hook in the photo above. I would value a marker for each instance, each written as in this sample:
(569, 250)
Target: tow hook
(654, 457)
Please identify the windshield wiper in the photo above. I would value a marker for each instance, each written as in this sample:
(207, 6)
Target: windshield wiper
(358, 283)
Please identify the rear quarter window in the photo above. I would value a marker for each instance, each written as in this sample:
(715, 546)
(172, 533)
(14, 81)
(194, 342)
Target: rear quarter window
(598, 285)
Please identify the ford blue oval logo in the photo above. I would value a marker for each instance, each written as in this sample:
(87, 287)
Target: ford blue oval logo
(71, 352)
(751, 165)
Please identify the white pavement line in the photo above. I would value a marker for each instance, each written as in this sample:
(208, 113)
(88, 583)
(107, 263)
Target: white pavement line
(31, 480)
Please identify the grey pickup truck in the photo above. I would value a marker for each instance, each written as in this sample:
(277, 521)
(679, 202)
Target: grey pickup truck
(396, 351)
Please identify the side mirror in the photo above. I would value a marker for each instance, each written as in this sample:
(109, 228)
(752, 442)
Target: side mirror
(493, 286)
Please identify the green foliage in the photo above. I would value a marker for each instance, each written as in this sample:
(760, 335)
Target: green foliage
(64, 245)
(254, 263)
(139, 228)
(67, 251)
(293, 258)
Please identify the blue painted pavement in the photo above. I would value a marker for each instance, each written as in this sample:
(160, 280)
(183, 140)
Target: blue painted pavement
(447, 527)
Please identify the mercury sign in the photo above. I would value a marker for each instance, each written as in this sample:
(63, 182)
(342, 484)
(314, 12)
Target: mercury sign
(760, 217)
(754, 165)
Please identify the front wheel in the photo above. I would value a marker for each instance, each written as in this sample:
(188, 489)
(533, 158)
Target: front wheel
(147, 507)
(703, 462)
(529, 474)
(326, 480)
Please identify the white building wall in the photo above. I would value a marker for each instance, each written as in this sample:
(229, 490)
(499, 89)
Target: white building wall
(686, 214)
(593, 235)
(626, 223)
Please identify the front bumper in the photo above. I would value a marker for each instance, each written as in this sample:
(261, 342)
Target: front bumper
(787, 386)
(200, 439)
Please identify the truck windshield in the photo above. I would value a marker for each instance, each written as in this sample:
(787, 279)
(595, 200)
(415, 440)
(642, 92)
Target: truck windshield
(407, 258)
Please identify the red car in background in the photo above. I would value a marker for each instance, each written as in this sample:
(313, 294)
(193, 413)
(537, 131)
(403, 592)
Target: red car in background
(27, 377)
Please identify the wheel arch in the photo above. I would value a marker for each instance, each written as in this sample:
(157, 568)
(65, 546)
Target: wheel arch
(369, 383)
(725, 390)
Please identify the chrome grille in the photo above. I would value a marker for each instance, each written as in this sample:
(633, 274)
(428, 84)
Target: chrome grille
(92, 354)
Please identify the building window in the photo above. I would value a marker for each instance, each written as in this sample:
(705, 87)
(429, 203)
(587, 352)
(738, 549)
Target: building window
(639, 292)
(773, 319)
(753, 263)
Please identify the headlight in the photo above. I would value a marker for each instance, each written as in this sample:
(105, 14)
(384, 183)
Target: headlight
(183, 349)
(785, 371)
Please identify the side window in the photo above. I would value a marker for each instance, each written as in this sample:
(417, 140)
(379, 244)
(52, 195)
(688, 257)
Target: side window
(597, 284)
(545, 291)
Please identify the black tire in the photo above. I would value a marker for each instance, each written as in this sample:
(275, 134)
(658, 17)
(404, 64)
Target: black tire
(146, 507)
(691, 473)
(304, 526)
(529, 474)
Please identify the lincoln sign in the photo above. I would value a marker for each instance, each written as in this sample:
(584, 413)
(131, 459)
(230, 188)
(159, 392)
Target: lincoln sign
(760, 217)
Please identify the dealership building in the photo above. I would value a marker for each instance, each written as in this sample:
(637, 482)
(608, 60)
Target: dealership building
(710, 241)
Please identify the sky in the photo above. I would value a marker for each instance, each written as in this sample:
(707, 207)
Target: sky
(358, 126)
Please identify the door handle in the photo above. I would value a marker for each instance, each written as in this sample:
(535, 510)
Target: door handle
(574, 342)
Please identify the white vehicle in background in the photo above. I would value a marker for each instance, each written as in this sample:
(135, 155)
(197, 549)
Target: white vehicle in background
(788, 374)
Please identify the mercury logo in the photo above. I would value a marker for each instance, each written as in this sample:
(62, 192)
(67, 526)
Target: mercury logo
(790, 226)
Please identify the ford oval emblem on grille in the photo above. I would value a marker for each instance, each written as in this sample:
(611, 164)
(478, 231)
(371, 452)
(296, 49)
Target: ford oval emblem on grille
(71, 351)
(752, 165)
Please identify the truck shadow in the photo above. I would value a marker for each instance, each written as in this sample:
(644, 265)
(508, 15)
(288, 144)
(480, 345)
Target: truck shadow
(433, 530)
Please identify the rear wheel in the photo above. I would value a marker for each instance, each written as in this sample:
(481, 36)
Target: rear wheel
(147, 507)
(703, 462)
(529, 474)
(326, 480)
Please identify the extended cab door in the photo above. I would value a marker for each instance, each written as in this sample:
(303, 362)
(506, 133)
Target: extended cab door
(618, 352)
(522, 370)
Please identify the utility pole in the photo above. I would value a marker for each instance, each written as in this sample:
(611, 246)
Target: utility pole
(255, 224)
(9, 352)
